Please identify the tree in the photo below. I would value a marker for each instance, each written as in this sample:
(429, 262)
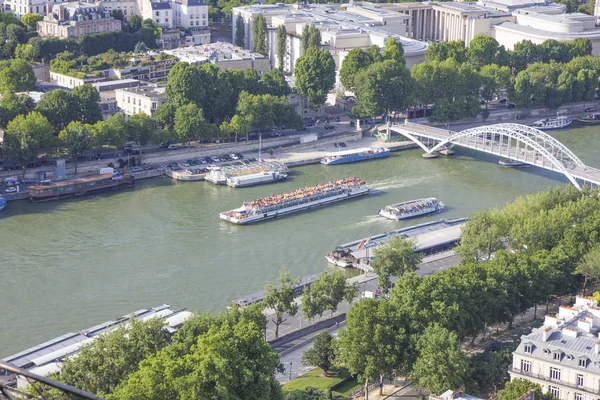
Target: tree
(134, 23)
(115, 131)
(87, 99)
(118, 14)
(589, 267)
(328, 292)
(442, 51)
(374, 342)
(141, 128)
(25, 136)
(189, 124)
(281, 299)
(516, 388)
(12, 105)
(140, 47)
(77, 139)
(59, 107)
(482, 51)
(184, 85)
(16, 76)
(281, 46)
(441, 363)
(165, 115)
(382, 87)
(27, 52)
(355, 61)
(259, 34)
(397, 257)
(238, 125)
(274, 83)
(581, 47)
(481, 237)
(311, 38)
(31, 20)
(315, 75)
(321, 355)
(394, 51)
(240, 31)
(494, 78)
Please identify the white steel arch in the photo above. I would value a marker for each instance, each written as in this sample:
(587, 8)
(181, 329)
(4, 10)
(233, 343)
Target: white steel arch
(554, 155)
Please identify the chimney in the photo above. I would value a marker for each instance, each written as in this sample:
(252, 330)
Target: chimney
(547, 334)
(597, 349)
(61, 13)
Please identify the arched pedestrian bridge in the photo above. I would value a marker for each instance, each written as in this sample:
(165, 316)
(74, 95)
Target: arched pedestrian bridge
(514, 141)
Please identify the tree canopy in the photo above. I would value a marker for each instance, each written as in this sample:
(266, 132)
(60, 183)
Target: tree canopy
(315, 75)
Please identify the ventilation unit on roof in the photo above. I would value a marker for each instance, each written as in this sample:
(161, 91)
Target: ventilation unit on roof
(569, 357)
(546, 351)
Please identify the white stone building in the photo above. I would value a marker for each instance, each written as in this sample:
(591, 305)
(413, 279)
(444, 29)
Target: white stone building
(224, 55)
(142, 99)
(563, 356)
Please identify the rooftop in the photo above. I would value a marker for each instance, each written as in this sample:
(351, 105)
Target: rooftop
(213, 52)
(150, 91)
(161, 5)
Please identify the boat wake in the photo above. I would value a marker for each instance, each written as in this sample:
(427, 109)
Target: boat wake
(370, 220)
(399, 182)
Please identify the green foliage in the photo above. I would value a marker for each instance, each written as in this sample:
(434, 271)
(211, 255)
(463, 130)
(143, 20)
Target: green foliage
(87, 99)
(259, 34)
(281, 299)
(134, 23)
(441, 363)
(442, 51)
(25, 135)
(240, 31)
(326, 294)
(141, 128)
(31, 20)
(281, 46)
(518, 387)
(315, 75)
(589, 266)
(311, 38)
(274, 83)
(398, 257)
(118, 14)
(60, 107)
(140, 47)
(189, 124)
(12, 105)
(227, 358)
(383, 87)
(77, 139)
(481, 237)
(394, 51)
(27, 52)
(355, 61)
(321, 355)
(16, 76)
(488, 369)
(482, 51)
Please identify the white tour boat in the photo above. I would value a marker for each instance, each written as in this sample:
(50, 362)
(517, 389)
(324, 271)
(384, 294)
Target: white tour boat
(255, 179)
(410, 209)
(552, 123)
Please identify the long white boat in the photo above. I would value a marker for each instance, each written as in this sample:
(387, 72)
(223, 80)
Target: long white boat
(552, 123)
(298, 200)
(341, 257)
(410, 209)
(255, 179)
(348, 156)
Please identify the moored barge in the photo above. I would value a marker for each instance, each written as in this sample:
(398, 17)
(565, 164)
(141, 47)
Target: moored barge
(298, 200)
(78, 186)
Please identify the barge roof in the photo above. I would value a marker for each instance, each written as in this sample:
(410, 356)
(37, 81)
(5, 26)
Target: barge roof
(348, 152)
(74, 181)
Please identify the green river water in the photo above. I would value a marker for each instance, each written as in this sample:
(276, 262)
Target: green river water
(68, 265)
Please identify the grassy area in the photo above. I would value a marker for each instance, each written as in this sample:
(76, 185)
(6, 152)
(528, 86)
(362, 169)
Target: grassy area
(316, 379)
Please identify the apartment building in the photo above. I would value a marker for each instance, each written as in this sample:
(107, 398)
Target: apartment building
(75, 19)
(563, 355)
(142, 99)
(224, 55)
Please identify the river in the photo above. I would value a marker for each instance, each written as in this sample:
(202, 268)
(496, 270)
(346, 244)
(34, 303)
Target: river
(68, 265)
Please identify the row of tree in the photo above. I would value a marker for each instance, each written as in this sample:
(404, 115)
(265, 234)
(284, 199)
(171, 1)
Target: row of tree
(418, 331)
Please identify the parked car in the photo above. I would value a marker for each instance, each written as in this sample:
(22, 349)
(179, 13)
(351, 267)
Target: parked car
(172, 147)
(234, 156)
(202, 161)
(329, 126)
(10, 190)
(27, 182)
(511, 105)
(239, 155)
(137, 169)
(97, 156)
(185, 164)
(215, 159)
(589, 109)
(342, 144)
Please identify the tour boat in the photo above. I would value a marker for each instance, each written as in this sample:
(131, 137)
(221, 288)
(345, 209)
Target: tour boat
(552, 123)
(507, 162)
(341, 257)
(78, 186)
(3, 202)
(348, 156)
(413, 208)
(298, 200)
(255, 179)
(590, 119)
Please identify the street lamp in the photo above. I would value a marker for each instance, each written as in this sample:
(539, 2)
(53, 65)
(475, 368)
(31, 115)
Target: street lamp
(290, 370)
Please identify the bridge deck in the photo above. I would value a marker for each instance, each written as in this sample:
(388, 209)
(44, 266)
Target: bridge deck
(586, 174)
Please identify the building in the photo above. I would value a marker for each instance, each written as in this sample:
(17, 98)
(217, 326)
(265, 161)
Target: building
(22, 7)
(458, 394)
(75, 19)
(563, 355)
(142, 99)
(48, 357)
(343, 28)
(224, 55)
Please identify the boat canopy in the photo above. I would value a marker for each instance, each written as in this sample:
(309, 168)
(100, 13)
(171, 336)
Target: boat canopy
(349, 152)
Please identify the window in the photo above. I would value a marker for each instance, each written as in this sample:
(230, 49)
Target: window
(528, 349)
(166, 19)
(157, 13)
(582, 362)
(554, 391)
(525, 366)
(555, 373)
(557, 356)
(578, 396)
(579, 380)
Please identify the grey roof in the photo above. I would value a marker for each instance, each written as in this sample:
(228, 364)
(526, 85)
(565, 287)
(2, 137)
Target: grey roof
(196, 2)
(159, 5)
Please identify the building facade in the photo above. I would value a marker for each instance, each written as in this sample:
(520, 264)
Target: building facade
(142, 99)
(224, 55)
(75, 19)
(563, 356)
